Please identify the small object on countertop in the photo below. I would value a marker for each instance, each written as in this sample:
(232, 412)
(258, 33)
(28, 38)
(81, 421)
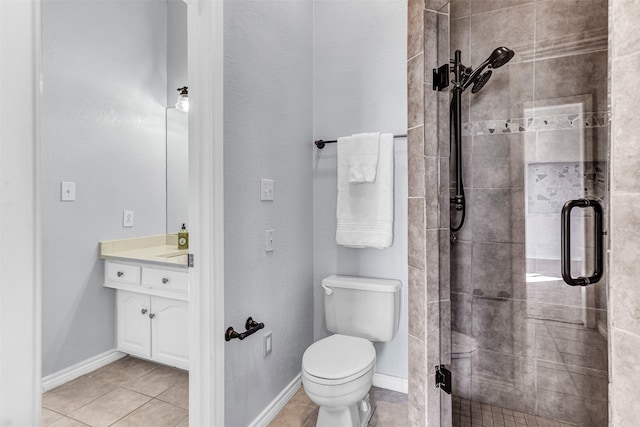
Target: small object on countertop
(183, 238)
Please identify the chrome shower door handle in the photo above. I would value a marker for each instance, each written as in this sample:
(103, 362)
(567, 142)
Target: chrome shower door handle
(565, 242)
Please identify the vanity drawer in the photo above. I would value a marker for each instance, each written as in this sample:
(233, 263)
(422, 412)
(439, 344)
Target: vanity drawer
(165, 279)
(122, 273)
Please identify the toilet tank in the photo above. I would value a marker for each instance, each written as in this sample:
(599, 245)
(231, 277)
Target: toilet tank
(364, 307)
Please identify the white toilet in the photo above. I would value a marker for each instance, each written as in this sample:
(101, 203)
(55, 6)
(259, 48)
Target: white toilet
(337, 370)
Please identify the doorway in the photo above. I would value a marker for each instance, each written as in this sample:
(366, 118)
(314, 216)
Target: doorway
(22, 405)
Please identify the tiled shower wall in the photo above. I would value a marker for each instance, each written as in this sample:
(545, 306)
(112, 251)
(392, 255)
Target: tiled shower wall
(428, 165)
(625, 213)
(536, 345)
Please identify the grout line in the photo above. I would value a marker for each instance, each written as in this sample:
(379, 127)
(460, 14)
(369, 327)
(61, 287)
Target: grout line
(414, 57)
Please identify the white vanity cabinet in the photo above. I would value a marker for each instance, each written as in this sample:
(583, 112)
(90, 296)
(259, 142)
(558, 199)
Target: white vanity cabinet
(153, 327)
(152, 310)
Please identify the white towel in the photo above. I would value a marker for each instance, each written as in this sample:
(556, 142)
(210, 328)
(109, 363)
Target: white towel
(361, 151)
(365, 211)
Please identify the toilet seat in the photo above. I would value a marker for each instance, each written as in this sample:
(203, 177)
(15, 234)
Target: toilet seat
(338, 359)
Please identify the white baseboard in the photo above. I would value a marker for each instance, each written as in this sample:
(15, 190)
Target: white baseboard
(391, 383)
(79, 369)
(269, 413)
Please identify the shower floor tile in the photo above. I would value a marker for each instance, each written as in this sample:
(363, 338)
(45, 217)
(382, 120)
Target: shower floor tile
(467, 413)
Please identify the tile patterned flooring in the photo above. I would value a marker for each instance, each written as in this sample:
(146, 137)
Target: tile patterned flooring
(471, 414)
(390, 410)
(129, 392)
(136, 393)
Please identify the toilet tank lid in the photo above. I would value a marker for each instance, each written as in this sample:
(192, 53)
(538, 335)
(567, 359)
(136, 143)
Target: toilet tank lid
(362, 283)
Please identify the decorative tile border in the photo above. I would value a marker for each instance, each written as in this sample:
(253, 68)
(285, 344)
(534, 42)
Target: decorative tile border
(534, 124)
(550, 185)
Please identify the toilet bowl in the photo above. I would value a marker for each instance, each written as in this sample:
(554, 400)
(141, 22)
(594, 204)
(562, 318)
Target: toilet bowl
(462, 351)
(337, 372)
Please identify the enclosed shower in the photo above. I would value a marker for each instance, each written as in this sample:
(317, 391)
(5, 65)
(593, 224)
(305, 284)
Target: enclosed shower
(529, 138)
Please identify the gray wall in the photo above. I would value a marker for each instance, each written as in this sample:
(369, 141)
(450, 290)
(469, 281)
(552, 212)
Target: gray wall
(267, 108)
(177, 121)
(359, 86)
(176, 48)
(625, 214)
(104, 65)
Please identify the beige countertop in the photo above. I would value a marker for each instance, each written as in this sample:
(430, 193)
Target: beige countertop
(158, 249)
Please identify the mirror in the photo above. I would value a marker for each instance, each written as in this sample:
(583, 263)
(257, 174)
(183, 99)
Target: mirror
(177, 169)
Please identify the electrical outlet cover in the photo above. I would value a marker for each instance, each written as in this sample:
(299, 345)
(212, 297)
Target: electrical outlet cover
(268, 344)
(266, 189)
(127, 218)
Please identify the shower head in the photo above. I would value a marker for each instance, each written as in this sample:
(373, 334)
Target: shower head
(500, 56)
(481, 81)
(497, 59)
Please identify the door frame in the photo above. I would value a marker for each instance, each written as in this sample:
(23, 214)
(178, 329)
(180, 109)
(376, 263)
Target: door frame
(21, 215)
(206, 212)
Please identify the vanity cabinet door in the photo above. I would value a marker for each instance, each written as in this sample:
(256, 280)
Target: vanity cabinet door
(134, 327)
(170, 331)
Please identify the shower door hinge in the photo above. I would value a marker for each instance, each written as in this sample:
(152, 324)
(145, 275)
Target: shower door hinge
(189, 260)
(443, 379)
(441, 77)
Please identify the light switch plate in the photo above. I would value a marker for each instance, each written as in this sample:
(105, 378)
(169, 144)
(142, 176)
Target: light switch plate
(67, 191)
(268, 240)
(127, 218)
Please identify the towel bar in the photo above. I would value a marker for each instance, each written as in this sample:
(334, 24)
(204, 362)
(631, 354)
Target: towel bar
(320, 143)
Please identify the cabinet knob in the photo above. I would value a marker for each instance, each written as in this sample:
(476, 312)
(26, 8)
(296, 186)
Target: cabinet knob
(143, 311)
(165, 280)
(151, 315)
(120, 273)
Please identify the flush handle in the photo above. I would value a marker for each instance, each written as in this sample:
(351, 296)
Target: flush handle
(327, 290)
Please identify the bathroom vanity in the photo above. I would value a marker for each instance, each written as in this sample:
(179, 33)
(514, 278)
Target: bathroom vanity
(151, 280)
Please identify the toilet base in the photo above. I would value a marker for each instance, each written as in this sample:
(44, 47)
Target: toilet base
(356, 415)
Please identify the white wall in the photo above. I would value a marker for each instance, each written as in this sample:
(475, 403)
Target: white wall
(267, 134)
(360, 86)
(104, 67)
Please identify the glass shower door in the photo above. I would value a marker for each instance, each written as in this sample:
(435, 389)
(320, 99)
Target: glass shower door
(525, 346)
(569, 164)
